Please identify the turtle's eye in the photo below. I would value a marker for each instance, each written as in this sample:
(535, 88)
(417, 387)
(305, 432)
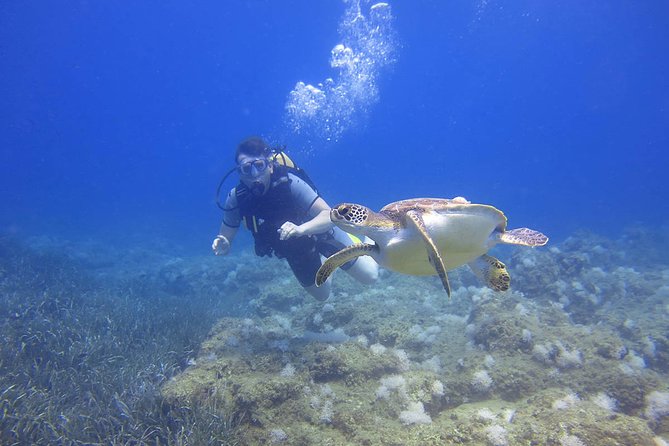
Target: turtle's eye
(343, 210)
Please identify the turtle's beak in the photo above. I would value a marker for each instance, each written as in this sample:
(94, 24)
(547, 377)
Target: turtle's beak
(335, 216)
(341, 217)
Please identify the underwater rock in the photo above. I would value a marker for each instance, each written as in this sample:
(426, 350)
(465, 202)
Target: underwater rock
(570, 354)
(544, 423)
(350, 362)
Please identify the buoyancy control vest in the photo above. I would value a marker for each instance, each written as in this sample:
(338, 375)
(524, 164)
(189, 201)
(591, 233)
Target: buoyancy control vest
(263, 215)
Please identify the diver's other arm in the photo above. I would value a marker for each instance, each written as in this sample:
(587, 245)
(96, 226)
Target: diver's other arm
(229, 225)
(222, 243)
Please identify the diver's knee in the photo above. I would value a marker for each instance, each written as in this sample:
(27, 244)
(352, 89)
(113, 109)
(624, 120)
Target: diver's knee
(320, 293)
(367, 270)
(374, 274)
(370, 277)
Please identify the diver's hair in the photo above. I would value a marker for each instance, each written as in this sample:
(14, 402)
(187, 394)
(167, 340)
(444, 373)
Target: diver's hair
(253, 146)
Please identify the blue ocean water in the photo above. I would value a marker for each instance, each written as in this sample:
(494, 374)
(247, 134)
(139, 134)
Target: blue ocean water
(118, 119)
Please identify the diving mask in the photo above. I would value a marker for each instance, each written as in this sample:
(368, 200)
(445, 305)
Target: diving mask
(254, 167)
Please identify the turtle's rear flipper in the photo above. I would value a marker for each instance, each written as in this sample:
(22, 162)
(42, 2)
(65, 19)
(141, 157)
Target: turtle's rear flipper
(415, 218)
(523, 236)
(492, 272)
(339, 258)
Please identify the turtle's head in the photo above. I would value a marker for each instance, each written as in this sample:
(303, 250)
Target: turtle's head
(356, 219)
(349, 215)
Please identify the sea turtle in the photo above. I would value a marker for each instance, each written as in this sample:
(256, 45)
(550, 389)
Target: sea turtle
(428, 236)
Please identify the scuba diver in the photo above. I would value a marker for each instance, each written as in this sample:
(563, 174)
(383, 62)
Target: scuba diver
(279, 204)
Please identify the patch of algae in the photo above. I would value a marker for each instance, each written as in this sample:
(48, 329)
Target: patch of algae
(350, 362)
(407, 346)
(328, 395)
(592, 424)
(535, 421)
(297, 406)
(576, 356)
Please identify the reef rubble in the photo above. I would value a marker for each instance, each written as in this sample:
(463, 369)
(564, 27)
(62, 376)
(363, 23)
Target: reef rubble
(574, 354)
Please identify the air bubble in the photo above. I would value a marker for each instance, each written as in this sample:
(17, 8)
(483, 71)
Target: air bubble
(368, 44)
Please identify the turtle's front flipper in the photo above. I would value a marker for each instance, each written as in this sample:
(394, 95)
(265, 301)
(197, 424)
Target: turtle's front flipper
(339, 258)
(415, 218)
(492, 272)
(523, 236)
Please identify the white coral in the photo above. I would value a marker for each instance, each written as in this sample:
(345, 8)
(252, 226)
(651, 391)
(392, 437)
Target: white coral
(437, 388)
(497, 435)
(288, 370)
(277, 436)
(390, 383)
(543, 353)
(415, 414)
(567, 359)
(481, 381)
(657, 405)
(569, 400)
(486, 414)
(405, 362)
(377, 349)
(605, 402)
(571, 440)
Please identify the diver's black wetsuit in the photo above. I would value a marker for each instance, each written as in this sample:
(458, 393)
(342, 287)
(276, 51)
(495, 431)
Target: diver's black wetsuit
(289, 198)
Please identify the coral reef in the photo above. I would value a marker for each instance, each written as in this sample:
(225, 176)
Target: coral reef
(141, 347)
(570, 356)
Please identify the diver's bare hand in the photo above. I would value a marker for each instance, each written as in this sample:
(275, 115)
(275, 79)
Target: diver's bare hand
(221, 245)
(288, 230)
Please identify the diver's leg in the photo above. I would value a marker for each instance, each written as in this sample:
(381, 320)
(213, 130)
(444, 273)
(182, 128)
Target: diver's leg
(364, 270)
(320, 292)
(305, 265)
